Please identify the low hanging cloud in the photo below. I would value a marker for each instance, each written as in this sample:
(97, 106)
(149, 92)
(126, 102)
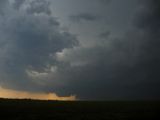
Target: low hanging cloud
(37, 56)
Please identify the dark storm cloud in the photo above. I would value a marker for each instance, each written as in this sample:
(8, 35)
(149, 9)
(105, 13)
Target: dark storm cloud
(122, 68)
(36, 55)
(28, 41)
(83, 17)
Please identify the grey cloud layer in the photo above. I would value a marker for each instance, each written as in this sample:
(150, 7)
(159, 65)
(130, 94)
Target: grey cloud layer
(35, 54)
(121, 68)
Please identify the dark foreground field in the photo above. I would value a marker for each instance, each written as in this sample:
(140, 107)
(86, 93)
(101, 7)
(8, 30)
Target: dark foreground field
(56, 110)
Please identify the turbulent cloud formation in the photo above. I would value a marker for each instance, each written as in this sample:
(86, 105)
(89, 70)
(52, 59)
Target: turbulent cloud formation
(29, 38)
(36, 55)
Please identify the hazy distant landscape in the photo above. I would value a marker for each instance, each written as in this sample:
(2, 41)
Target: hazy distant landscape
(78, 110)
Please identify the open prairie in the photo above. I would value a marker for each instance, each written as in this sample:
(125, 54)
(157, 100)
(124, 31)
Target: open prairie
(78, 110)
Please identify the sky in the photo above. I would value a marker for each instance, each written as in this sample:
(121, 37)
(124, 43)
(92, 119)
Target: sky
(80, 49)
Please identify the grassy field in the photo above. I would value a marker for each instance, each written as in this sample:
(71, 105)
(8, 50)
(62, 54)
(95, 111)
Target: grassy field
(79, 110)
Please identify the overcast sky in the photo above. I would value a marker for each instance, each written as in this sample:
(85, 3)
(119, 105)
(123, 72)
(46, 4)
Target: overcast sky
(93, 49)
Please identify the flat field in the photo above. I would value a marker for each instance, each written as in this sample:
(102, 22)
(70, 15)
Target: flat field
(78, 110)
